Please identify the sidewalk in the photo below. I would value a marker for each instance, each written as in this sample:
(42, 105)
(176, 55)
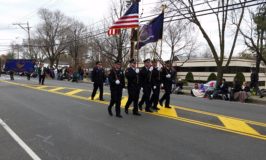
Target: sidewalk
(252, 99)
(258, 100)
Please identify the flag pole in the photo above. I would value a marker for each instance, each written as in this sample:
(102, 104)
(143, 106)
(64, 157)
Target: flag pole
(138, 38)
(161, 49)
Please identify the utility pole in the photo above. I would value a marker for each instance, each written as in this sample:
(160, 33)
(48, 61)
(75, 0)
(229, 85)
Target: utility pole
(27, 29)
(134, 35)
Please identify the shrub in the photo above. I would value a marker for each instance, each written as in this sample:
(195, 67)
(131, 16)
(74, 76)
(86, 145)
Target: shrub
(189, 77)
(212, 76)
(239, 77)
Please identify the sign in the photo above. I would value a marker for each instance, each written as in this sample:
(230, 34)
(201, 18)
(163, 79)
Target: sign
(20, 65)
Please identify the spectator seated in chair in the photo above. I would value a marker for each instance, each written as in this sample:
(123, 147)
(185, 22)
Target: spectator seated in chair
(221, 91)
(241, 93)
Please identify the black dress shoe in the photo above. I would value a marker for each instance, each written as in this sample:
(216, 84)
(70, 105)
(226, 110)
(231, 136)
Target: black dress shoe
(168, 107)
(155, 108)
(140, 107)
(101, 99)
(136, 114)
(161, 103)
(110, 112)
(126, 111)
(119, 116)
(92, 98)
(148, 110)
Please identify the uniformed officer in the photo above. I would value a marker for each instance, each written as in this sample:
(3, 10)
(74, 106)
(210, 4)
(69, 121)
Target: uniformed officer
(133, 87)
(117, 83)
(98, 78)
(156, 84)
(145, 80)
(167, 77)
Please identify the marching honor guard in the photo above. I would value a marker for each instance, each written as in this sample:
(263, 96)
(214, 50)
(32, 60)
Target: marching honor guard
(98, 78)
(145, 80)
(167, 76)
(132, 75)
(156, 84)
(117, 83)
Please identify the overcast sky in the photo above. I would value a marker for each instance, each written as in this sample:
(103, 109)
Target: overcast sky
(23, 11)
(87, 11)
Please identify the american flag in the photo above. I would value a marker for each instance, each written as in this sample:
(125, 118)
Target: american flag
(129, 20)
(112, 32)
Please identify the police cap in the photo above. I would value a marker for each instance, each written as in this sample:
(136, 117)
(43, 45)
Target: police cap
(98, 62)
(132, 61)
(118, 62)
(147, 60)
(154, 61)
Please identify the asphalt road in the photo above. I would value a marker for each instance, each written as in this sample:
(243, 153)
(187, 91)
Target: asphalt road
(65, 127)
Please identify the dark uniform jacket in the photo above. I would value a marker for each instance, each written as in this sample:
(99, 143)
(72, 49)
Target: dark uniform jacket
(145, 77)
(116, 75)
(156, 77)
(167, 82)
(98, 75)
(132, 77)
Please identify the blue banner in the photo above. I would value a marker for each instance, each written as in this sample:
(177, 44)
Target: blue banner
(151, 32)
(20, 65)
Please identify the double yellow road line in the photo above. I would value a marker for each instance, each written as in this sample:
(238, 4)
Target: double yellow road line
(217, 121)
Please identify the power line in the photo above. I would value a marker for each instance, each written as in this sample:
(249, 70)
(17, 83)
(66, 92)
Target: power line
(204, 10)
(212, 12)
(104, 30)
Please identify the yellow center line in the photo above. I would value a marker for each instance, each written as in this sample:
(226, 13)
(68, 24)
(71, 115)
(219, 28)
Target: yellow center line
(167, 111)
(124, 101)
(56, 89)
(217, 115)
(41, 87)
(73, 92)
(237, 125)
(231, 124)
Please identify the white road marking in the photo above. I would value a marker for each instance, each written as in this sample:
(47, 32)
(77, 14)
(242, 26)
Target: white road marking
(19, 141)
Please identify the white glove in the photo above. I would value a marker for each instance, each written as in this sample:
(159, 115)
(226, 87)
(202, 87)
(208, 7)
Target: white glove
(154, 87)
(151, 68)
(117, 82)
(168, 76)
(137, 70)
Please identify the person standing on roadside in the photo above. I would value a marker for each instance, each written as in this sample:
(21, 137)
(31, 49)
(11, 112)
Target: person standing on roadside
(41, 73)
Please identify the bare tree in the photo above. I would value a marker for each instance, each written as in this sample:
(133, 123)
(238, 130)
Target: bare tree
(207, 53)
(15, 51)
(51, 34)
(78, 45)
(221, 9)
(179, 38)
(254, 33)
(115, 47)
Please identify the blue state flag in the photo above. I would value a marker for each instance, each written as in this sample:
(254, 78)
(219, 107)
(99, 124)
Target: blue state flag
(20, 65)
(151, 32)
